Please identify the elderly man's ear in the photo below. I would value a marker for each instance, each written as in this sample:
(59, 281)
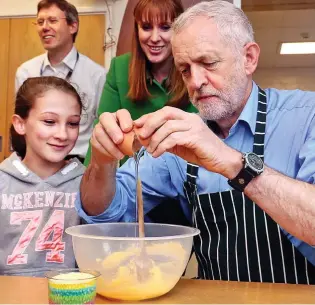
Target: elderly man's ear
(251, 54)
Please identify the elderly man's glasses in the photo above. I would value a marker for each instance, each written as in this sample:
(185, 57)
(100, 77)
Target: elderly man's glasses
(50, 21)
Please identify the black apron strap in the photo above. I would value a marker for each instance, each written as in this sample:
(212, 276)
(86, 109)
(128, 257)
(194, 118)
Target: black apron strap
(192, 173)
(259, 138)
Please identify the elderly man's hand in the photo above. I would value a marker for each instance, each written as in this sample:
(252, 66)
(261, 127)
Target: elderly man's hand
(186, 135)
(109, 133)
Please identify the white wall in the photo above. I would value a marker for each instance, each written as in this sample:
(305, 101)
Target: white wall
(286, 78)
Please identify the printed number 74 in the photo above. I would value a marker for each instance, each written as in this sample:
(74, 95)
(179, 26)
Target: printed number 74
(55, 226)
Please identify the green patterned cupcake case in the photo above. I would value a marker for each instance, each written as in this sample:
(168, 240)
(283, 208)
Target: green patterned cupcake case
(72, 288)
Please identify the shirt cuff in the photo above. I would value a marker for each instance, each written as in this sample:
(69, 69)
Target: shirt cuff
(113, 213)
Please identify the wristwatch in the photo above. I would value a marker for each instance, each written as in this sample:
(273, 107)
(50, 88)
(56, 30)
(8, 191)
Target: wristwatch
(253, 166)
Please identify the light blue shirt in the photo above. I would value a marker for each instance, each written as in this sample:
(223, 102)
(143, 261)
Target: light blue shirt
(289, 149)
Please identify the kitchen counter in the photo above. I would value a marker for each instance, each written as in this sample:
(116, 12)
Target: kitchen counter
(34, 291)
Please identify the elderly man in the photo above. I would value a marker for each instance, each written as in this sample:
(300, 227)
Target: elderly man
(57, 26)
(243, 169)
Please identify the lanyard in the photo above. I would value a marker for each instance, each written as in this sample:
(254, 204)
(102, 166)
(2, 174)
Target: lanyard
(70, 70)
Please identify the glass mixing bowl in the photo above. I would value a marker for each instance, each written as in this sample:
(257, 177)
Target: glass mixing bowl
(133, 268)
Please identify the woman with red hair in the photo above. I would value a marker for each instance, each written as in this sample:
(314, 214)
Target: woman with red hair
(146, 80)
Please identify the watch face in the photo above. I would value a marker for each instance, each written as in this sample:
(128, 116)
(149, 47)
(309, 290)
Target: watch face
(255, 161)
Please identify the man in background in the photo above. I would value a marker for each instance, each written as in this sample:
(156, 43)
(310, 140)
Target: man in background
(57, 26)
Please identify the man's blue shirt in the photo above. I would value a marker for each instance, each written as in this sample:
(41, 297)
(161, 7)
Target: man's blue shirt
(289, 149)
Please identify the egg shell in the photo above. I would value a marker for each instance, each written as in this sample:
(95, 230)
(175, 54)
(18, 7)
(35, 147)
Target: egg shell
(144, 142)
(126, 145)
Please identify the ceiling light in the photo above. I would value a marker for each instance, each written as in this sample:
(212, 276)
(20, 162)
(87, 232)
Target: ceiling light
(297, 48)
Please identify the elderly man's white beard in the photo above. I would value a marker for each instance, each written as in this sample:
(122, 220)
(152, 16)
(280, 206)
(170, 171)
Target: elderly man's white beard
(218, 110)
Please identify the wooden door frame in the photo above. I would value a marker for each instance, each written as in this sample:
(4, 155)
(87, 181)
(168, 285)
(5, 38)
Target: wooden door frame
(4, 77)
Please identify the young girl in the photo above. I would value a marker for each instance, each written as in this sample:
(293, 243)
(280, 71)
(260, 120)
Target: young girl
(37, 186)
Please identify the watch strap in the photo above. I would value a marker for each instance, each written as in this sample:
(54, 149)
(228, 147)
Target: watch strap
(241, 180)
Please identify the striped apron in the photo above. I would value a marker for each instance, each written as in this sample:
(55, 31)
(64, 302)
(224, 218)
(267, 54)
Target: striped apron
(238, 240)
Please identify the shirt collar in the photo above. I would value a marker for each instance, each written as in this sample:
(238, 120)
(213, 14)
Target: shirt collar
(249, 113)
(46, 62)
(69, 60)
(150, 78)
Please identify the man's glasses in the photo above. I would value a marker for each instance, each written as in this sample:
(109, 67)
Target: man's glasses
(50, 21)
